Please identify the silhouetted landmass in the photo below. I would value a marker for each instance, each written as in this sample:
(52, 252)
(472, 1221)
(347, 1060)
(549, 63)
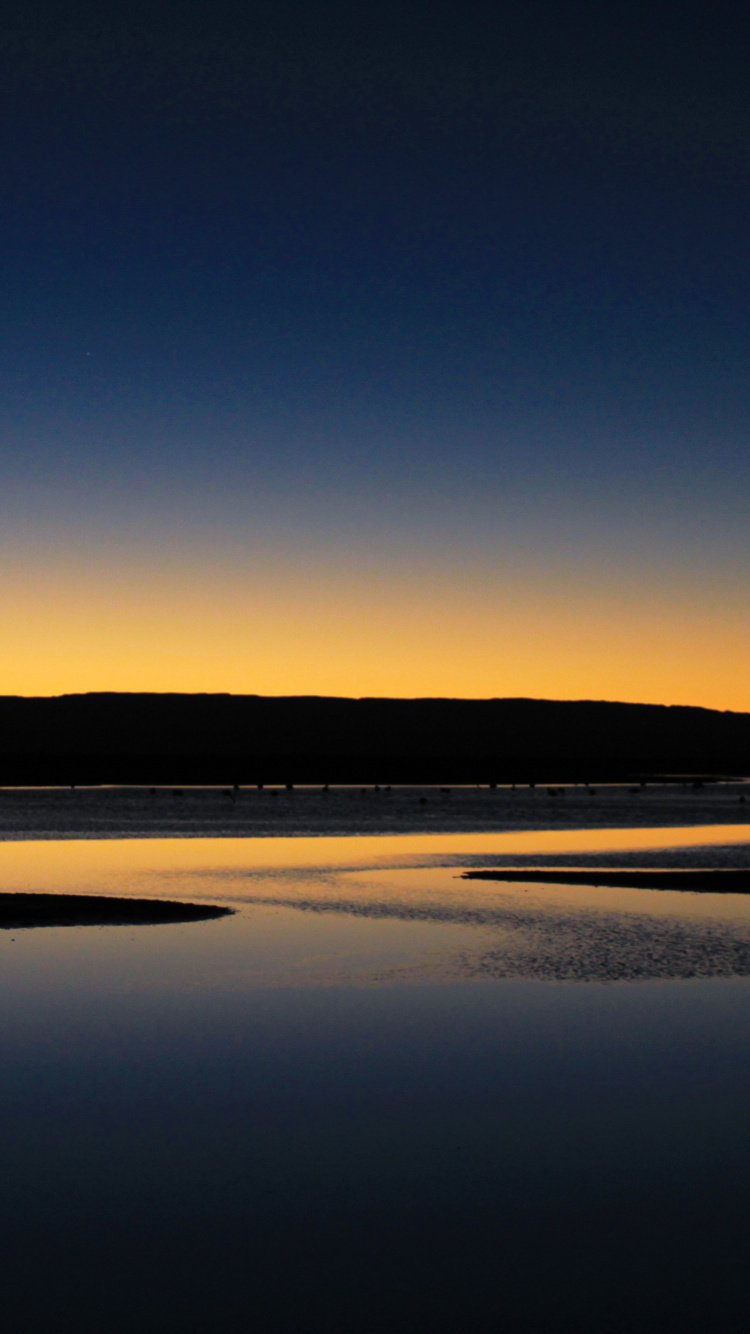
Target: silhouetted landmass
(18, 911)
(249, 739)
(697, 882)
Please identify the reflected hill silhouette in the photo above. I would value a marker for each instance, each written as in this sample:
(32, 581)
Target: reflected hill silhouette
(253, 739)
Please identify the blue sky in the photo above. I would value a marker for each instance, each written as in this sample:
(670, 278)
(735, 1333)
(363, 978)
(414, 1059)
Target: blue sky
(410, 296)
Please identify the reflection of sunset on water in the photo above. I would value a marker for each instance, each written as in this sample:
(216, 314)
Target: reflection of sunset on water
(364, 911)
(59, 864)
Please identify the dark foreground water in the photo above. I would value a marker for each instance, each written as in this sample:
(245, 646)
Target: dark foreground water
(378, 1097)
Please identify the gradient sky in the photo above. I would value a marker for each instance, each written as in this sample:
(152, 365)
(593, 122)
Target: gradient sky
(387, 350)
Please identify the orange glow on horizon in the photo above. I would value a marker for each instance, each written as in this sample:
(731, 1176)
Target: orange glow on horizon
(313, 632)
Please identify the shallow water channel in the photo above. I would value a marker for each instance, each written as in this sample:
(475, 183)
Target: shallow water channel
(378, 1095)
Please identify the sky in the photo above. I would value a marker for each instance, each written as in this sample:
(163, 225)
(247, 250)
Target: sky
(375, 350)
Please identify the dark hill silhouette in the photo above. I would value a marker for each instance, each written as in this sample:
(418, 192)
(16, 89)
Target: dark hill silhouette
(171, 738)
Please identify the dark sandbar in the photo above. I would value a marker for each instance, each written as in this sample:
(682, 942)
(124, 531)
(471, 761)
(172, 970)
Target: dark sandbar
(700, 881)
(24, 910)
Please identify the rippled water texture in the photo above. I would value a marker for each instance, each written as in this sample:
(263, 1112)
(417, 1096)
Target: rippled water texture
(378, 1095)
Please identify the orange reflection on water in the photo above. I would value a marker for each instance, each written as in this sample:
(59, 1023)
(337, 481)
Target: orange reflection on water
(362, 910)
(152, 865)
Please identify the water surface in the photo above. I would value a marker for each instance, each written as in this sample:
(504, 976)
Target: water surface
(378, 1096)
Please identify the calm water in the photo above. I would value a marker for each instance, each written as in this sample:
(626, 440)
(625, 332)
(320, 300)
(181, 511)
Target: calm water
(378, 1097)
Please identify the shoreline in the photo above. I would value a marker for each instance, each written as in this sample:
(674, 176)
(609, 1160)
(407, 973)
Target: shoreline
(126, 812)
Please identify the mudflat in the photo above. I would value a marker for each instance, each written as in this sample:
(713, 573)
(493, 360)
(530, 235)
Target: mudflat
(19, 911)
(726, 881)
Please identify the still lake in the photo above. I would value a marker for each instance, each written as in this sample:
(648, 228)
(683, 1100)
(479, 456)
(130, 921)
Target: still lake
(378, 1096)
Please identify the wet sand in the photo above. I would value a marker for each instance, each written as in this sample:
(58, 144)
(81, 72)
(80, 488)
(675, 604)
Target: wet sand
(271, 812)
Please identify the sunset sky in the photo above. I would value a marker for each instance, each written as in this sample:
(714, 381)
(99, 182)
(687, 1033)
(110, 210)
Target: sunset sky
(397, 349)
